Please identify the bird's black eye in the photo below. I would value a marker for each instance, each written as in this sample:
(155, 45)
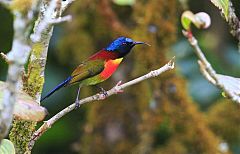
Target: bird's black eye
(124, 43)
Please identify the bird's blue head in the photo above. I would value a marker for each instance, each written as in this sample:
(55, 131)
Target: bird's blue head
(122, 46)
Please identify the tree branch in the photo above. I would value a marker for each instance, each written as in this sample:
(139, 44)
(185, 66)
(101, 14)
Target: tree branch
(50, 14)
(17, 57)
(61, 19)
(115, 90)
(234, 23)
(230, 85)
(33, 82)
(47, 15)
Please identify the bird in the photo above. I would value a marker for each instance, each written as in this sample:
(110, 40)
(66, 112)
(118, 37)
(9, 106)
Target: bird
(98, 67)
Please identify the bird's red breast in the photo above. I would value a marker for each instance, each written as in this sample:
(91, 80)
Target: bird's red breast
(110, 67)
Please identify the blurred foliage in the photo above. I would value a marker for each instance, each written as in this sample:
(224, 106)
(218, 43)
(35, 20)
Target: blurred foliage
(124, 2)
(229, 124)
(156, 116)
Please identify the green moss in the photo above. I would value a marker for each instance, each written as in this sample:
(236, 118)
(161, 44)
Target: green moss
(223, 118)
(37, 49)
(20, 135)
(162, 133)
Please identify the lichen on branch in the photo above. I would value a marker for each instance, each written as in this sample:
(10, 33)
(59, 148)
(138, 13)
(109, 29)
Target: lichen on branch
(16, 58)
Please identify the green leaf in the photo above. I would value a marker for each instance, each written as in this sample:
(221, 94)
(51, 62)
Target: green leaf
(186, 19)
(223, 5)
(124, 2)
(201, 20)
(26, 108)
(7, 147)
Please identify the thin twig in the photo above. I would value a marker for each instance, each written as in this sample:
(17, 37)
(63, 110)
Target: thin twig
(193, 41)
(205, 73)
(61, 19)
(209, 73)
(115, 90)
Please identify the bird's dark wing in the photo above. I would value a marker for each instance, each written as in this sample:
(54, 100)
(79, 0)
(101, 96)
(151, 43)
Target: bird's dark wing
(86, 70)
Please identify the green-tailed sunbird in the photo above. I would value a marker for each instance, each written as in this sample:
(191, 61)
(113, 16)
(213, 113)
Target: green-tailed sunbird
(98, 67)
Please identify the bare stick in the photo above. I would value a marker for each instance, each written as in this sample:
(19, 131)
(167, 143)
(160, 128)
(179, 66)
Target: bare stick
(61, 19)
(205, 73)
(192, 40)
(223, 82)
(100, 96)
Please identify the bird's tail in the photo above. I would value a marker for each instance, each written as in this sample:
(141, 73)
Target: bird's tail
(64, 83)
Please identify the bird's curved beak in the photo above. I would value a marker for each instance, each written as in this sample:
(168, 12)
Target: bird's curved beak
(135, 43)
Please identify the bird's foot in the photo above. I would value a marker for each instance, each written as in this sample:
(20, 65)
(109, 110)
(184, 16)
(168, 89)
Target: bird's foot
(103, 93)
(77, 104)
(117, 88)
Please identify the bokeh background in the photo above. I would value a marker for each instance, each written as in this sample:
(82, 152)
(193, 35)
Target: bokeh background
(177, 113)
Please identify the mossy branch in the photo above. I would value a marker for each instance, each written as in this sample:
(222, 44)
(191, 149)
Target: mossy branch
(34, 80)
(16, 58)
(100, 96)
(233, 22)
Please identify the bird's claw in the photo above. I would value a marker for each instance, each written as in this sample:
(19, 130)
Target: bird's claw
(77, 104)
(104, 92)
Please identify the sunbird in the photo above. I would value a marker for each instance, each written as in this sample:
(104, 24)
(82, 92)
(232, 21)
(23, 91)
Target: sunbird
(98, 67)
